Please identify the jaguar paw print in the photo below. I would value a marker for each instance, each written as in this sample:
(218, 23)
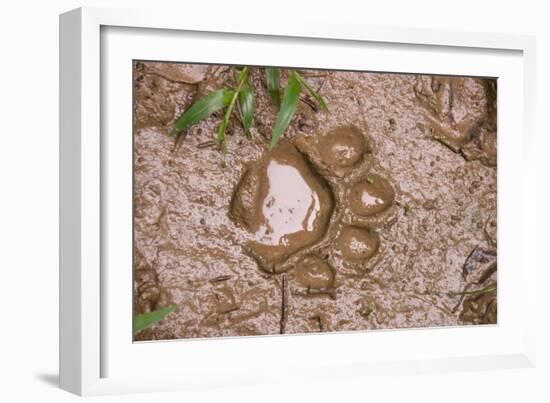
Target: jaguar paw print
(315, 203)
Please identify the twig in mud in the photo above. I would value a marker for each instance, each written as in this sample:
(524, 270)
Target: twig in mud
(206, 144)
(445, 143)
(170, 79)
(309, 103)
(229, 310)
(283, 305)
(323, 83)
(219, 279)
(391, 222)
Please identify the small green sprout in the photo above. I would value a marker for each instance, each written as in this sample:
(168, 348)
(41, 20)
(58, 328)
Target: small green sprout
(240, 98)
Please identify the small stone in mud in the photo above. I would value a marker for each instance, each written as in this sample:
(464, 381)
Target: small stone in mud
(371, 196)
(342, 148)
(358, 243)
(283, 203)
(314, 272)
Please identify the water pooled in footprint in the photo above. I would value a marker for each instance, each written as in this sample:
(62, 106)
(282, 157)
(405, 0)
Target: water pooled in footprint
(283, 203)
(358, 243)
(371, 196)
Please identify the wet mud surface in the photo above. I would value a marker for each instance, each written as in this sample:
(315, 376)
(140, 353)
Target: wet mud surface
(380, 214)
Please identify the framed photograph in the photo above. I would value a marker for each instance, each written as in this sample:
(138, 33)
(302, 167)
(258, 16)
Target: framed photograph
(244, 203)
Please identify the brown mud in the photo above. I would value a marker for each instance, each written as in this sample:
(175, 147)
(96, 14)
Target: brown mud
(284, 204)
(379, 214)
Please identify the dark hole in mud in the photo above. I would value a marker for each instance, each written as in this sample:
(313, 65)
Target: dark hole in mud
(379, 213)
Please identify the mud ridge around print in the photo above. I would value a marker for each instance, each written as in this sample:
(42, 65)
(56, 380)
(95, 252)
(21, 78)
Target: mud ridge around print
(379, 214)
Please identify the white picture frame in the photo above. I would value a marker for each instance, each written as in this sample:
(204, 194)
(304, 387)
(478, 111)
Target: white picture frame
(97, 357)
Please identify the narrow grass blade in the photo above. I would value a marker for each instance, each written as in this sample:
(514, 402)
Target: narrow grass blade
(485, 290)
(246, 98)
(148, 319)
(313, 93)
(287, 110)
(203, 108)
(235, 93)
(488, 289)
(220, 136)
(273, 84)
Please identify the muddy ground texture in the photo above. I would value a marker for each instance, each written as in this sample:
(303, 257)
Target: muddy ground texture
(375, 215)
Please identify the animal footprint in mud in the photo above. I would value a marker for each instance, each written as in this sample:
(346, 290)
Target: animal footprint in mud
(358, 244)
(284, 203)
(462, 114)
(371, 196)
(314, 273)
(314, 205)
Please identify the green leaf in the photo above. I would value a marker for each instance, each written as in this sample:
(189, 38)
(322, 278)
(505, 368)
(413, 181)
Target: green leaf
(273, 84)
(288, 108)
(148, 319)
(220, 136)
(313, 93)
(203, 108)
(246, 98)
